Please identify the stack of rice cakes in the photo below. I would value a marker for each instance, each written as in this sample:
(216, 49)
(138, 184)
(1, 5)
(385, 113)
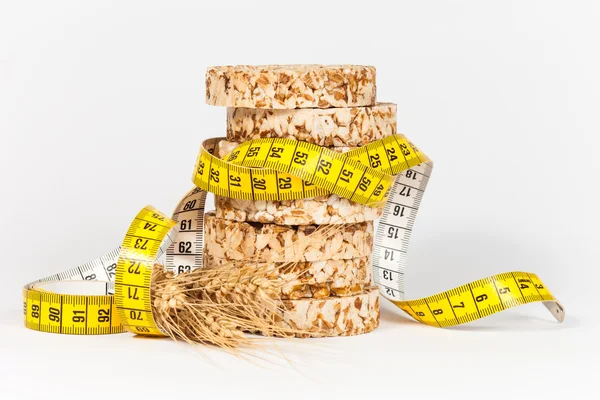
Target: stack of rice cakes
(327, 272)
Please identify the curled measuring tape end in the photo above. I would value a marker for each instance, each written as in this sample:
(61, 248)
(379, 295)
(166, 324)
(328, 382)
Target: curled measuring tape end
(112, 294)
(78, 301)
(463, 304)
(481, 298)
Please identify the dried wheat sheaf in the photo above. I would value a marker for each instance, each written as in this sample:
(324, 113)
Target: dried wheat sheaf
(219, 305)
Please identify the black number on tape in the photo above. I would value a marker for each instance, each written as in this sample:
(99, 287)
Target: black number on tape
(346, 175)
(364, 184)
(150, 227)
(276, 152)
(504, 290)
(259, 184)
(301, 158)
(375, 161)
(378, 190)
(185, 247)
(189, 205)
(398, 211)
(404, 149)
(387, 275)
(132, 293)
(405, 191)
(54, 314)
(135, 315)
(392, 154)
(235, 180)
(183, 268)
(388, 255)
(185, 225)
(252, 152)
(141, 244)
(78, 316)
(324, 167)
(201, 168)
(111, 270)
(233, 155)
(158, 217)
(103, 315)
(393, 232)
(214, 175)
(134, 267)
(285, 183)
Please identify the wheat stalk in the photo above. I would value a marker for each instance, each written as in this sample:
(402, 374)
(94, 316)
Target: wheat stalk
(219, 305)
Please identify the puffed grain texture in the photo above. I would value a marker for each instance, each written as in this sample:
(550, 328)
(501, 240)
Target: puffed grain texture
(346, 126)
(291, 86)
(331, 209)
(319, 279)
(333, 316)
(234, 240)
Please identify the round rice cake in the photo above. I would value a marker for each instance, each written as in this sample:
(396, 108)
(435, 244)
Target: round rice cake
(319, 279)
(346, 126)
(254, 241)
(332, 316)
(290, 86)
(331, 209)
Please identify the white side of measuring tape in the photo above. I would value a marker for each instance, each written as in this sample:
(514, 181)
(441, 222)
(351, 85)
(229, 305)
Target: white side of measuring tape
(395, 228)
(183, 253)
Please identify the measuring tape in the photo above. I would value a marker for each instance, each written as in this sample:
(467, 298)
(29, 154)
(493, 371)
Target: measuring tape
(284, 169)
(391, 173)
(463, 304)
(111, 294)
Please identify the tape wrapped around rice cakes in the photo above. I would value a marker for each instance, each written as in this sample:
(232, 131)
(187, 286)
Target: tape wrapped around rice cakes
(331, 209)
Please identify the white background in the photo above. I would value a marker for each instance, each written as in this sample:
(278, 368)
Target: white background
(102, 112)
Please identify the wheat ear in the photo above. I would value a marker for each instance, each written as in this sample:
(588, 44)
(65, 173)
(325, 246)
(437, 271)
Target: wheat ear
(219, 305)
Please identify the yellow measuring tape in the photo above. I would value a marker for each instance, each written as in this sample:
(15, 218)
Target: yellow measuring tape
(283, 169)
(139, 252)
(112, 293)
(390, 173)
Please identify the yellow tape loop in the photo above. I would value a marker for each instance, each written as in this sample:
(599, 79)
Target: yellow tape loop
(139, 252)
(285, 169)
